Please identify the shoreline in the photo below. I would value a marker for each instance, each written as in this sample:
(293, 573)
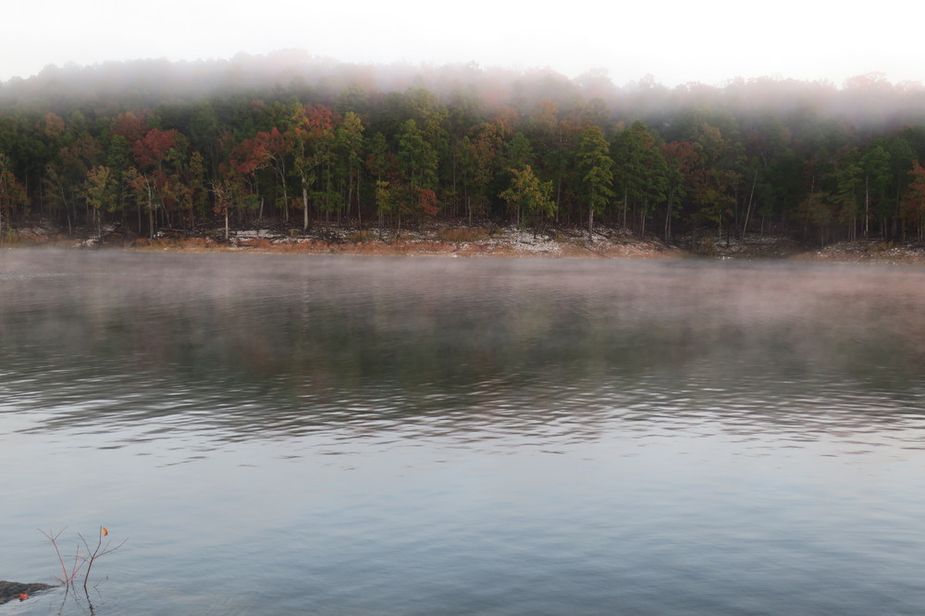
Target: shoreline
(509, 242)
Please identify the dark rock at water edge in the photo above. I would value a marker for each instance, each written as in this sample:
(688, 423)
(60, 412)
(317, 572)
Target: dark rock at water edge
(12, 590)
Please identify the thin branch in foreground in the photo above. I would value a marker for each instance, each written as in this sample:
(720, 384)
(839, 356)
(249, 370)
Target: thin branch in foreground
(98, 552)
(84, 556)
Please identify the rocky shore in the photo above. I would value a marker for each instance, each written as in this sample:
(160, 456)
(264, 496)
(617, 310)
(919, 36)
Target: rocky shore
(465, 241)
(461, 241)
(10, 591)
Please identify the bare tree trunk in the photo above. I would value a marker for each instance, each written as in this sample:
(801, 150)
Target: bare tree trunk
(455, 196)
(282, 177)
(590, 223)
(668, 216)
(668, 223)
(150, 212)
(624, 208)
(866, 204)
(67, 209)
(748, 210)
(349, 198)
(226, 224)
(359, 206)
(558, 198)
(304, 207)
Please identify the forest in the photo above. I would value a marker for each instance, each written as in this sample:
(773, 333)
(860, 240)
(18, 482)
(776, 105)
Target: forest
(298, 142)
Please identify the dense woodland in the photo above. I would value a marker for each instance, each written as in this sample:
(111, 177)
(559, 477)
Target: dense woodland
(297, 143)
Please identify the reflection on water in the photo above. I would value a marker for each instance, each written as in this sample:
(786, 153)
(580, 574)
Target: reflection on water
(439, 436)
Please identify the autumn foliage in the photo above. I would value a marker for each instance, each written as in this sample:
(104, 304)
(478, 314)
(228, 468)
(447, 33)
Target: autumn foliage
(363, 157)
(427, 202)
(151, 149)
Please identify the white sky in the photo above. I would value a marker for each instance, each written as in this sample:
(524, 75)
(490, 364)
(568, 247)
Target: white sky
(674, 40)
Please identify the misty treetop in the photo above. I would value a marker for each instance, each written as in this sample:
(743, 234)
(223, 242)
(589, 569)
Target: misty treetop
(818, 163)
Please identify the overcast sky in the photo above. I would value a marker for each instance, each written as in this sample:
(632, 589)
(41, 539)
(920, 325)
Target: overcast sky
(675, 41)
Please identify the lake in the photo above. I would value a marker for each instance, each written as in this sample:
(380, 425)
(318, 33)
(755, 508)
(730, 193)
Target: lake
(282, 434)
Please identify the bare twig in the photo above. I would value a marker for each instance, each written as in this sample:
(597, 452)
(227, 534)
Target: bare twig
(81, 559)
(66, 578)
(98, 552)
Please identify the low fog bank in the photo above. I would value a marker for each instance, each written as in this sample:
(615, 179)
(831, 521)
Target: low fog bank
(865, 99)
(324, 343)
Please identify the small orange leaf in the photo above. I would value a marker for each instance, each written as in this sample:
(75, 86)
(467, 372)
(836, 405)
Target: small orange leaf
(23, 596)
(105, 532)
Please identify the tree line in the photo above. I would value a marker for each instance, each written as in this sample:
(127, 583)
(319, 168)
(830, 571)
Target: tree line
(374, 159)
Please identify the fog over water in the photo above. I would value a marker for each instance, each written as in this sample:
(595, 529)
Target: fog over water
(280, 433)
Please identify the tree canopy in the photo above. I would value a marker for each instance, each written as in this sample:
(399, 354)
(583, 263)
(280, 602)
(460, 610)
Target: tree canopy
(649, 159)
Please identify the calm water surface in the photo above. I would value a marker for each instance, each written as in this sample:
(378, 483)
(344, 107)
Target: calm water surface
(338, 436)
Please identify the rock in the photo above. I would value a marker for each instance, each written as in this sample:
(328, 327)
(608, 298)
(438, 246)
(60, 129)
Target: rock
(12, 590)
